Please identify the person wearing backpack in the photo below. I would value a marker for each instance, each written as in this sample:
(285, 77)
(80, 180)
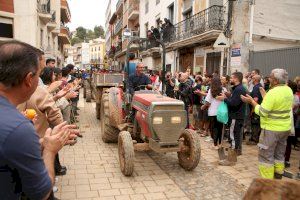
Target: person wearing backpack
(212, 104)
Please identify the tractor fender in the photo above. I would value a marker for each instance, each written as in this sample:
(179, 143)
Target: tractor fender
(116, 114)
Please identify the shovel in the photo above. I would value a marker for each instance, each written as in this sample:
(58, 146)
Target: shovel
(221, 150)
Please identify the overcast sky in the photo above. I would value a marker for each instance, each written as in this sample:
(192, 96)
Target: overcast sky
(87, 13)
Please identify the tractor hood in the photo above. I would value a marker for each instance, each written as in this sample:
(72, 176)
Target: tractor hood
(166, 117)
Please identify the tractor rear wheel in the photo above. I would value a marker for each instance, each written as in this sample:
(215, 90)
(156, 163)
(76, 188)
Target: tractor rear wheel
(126, 153)
(189, 159)
(109, 133)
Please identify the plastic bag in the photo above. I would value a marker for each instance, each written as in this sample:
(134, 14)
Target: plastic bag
(222, 113)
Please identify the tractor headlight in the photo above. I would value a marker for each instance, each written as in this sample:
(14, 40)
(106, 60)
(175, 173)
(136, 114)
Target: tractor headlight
(157, 120)
(175, 120)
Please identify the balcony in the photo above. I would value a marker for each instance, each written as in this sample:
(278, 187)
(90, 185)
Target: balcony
(44, 10)
(119, 7)
(204, 25)
(63, 36)
(95, 61)
(52, 24)
(133, 11)
(118, 26)
(65, 11)
(111, 52)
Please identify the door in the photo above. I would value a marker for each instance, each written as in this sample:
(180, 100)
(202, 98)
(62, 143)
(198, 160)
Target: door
(213, 62)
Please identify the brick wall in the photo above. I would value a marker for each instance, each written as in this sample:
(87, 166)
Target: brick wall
(7, 6)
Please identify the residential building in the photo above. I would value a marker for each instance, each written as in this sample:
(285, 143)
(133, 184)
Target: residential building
(71, 53)
(97, 52)
(251, 27)
(109, 14)
(153, 13)
(129, 9)
(37, 22)
(260, 28)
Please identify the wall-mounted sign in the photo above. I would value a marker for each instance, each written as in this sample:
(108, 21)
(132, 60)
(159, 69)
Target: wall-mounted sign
(221, 42)
(236, 55)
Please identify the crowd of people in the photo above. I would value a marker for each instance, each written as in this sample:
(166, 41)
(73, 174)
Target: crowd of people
(29, 146)
(258, 107)
(264, 110)
(161, 32)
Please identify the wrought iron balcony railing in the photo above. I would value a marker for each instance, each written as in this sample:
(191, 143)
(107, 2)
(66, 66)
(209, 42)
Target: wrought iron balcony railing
(211, 18)
(118, 6)
(43, 6)
(119, 47)
(118, 26)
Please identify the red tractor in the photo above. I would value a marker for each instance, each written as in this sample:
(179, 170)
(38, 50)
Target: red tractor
(158, 124)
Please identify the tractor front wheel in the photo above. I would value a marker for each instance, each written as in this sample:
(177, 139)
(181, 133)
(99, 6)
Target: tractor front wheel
(189, 156)
(109, 133)
(126, 153)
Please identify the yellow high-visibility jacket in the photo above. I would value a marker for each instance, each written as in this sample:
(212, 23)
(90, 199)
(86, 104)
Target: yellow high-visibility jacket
(275, 109)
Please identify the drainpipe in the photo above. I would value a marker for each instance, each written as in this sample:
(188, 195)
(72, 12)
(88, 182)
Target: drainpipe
(252, 3)
(228, 31)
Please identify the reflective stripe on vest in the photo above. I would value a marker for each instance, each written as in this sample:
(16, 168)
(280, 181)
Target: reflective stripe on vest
(270, 114)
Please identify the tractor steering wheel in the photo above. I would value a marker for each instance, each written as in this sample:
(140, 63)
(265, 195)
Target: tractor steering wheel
(141, 87)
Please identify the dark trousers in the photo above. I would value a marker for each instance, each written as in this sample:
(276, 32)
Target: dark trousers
(292, 140)
(236, 133)
(57, 165)
(216, 129)
(255, 128)
(186, 107)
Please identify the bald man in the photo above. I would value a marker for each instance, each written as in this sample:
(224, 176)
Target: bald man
(138, 79)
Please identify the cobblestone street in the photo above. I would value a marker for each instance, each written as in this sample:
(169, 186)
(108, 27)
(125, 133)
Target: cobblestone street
(93, 171)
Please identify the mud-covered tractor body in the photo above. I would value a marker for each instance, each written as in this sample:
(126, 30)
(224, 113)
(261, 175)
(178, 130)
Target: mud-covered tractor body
(160, 119)
(100, 82)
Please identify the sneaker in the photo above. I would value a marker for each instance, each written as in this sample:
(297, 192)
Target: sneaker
(287, 164)
(55, 189)
(208, 139)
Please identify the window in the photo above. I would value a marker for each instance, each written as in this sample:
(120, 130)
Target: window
(6, 27)
(157, 2)
(146, 7)
(146, 28)
(171, 13)
(41, 38)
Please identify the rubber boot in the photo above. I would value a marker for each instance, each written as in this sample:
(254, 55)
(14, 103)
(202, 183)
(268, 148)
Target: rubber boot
(238, 152)
(277, 176)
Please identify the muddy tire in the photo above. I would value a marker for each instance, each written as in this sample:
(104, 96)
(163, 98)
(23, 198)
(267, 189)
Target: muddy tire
(109, 133)
(84, 92)
(126, 153)
(98, 110)
(88, 96)
(189, 160)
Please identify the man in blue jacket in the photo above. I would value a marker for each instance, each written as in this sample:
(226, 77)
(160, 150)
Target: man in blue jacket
(236, 108)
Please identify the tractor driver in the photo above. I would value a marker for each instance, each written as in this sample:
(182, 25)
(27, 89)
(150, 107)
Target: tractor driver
(138, 79)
